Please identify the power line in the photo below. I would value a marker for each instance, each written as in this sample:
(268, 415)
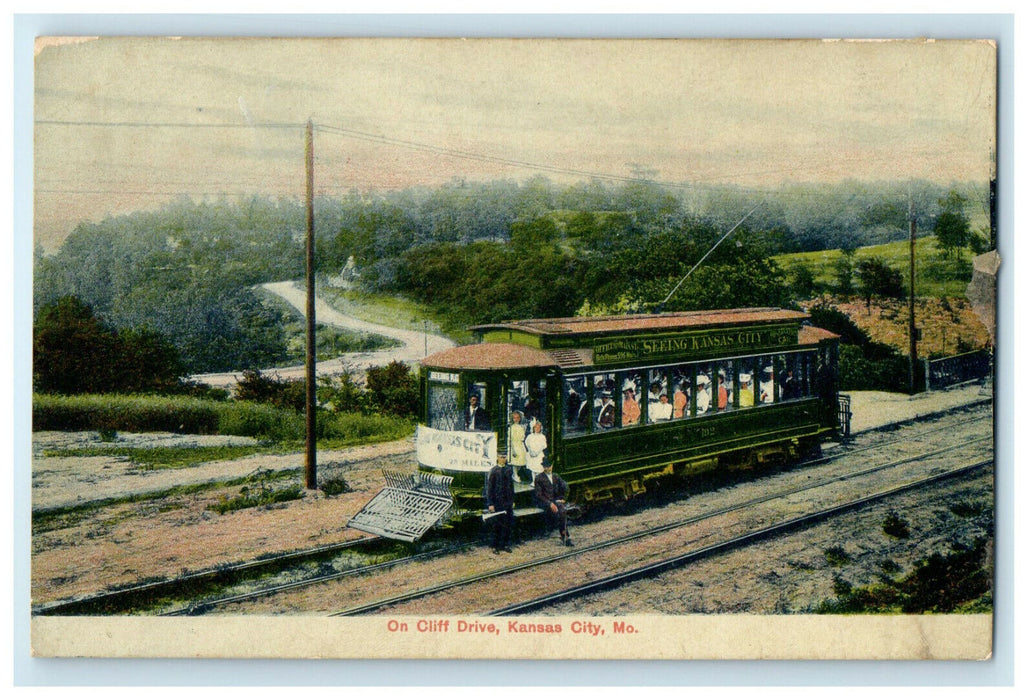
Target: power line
(170, 125)
(461, 154)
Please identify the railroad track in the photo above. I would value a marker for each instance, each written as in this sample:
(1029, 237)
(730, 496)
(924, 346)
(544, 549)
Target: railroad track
(143, 595)
(781, 528)
(685, 522)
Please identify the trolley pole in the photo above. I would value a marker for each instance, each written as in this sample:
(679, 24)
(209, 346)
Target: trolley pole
(912, 298)
(310, 316)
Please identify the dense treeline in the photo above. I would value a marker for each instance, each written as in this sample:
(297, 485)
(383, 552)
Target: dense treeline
(478, 252)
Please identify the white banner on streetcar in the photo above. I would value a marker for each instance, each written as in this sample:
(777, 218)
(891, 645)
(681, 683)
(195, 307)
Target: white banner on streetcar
(456, 450)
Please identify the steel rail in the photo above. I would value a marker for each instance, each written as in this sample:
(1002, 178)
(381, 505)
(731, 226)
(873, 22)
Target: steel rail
(156, 588)
(786, 526)
(202, 607)
(423, 592)
(197, 577)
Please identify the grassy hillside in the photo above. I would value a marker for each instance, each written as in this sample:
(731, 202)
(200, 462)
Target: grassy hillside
(935, 276)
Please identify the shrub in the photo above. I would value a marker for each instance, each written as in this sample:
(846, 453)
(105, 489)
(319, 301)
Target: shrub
(260, 388)
(895, 526)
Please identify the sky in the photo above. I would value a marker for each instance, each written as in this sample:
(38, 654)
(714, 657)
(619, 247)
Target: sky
(129, 123)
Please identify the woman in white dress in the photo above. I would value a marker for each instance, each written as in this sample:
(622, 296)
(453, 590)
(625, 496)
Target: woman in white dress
(535, 447)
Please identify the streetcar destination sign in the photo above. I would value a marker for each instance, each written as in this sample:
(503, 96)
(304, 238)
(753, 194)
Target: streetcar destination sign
(663, 347)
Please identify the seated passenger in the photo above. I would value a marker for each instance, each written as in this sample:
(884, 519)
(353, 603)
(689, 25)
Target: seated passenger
(723, 398)
(630, 407)
(790, 386)
(606, 416)
(679, 400)
(747, 391)
(660, 409)
(704, 394)
(574, 403)
(765, 386)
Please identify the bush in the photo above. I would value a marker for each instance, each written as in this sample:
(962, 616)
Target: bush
(863, 365)
(74, 352)
(393, 390)
(108, 413)
(390, 390)
(282, 393)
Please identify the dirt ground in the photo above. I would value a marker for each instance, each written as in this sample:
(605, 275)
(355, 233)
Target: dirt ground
(91, 549)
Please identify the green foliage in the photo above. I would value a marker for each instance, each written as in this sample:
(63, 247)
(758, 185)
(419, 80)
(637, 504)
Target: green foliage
(150, 458)
(894, 526)
(249, 497)
(959, 581)
(951, 226)
(844, 270)
(263, 388)
(74, 353)
(335, 486)
(474, 252)
(966, 509)
(802, 281)
(837, 556)
(201, 416)
(391, 390)
(877, 278)
(863, 364)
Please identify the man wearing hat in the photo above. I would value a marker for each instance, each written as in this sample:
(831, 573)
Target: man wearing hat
(550, 492)
(606, 417)
(499, 496)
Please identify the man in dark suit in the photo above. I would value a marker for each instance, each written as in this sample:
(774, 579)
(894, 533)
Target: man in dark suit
(550, 492)
(499, 496)
(475, 417)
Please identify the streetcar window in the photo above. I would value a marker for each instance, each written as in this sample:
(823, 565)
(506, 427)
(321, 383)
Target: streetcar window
(535, 404)
(443, 411)
(577, 409)
(744, 380)
(604, 412)
(807, 367)
(517, 395)
(475, 415)
(682, 391)
(766, 386)
(723, 385)
(630, 406)
(703, 400)
(790, 377)
(659, 398)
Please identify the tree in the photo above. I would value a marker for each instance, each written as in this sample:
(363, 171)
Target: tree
(844, 269)
(72, 351)
(951, 225)
(803, 281)
(877, 278)
(75, 353)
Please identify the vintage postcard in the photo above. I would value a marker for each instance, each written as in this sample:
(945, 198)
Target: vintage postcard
(513, 348)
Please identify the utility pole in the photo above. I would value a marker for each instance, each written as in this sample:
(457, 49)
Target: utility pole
(912, 297)
(310, 316)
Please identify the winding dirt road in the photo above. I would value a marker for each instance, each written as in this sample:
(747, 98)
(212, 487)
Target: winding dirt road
(412, 351)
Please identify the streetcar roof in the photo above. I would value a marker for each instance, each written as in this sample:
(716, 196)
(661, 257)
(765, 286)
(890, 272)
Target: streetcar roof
(490, 356)
(644, 322)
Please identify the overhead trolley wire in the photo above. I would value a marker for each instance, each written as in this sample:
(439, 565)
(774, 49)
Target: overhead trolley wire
(457, 153)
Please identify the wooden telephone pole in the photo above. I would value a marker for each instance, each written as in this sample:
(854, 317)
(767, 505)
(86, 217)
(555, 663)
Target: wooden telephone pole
(310, 316)
(912, 298)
